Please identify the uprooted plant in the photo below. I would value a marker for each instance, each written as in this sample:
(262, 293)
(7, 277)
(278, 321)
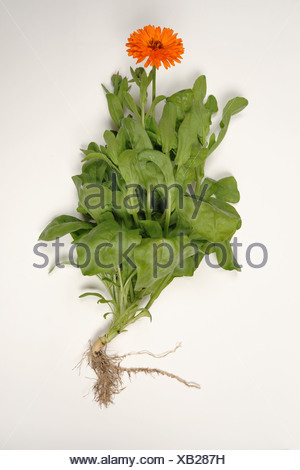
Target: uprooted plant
(149, 214)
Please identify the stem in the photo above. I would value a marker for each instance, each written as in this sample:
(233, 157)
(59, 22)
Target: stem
(129, 279)
(163, 218)
(107, 285)
(168, 215)
(115, 291)
(109, 336)
(154, 89)
(131, 292)
(143, 115)
(148, 208)
(122, 299)
(167, 221)
(136, 219)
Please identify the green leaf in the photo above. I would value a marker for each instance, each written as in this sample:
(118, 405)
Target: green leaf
(167, 128)
(227, 209)
(121, 140)
(102, 249)
(184, 176)
(78, 234)
(144, 312)
(187, 136)
(227, 190)
(77, 181)
(131, 105)
(136, 135)
(137, 74)
(198, 156)
(113, 146)
(116, 80)
(224, 253)
(104, 88)
(110, 281)
(212, 140)
(91, 293)
(106, 314)
(97, 199)
(208, 188)
(150, 76)
(204, 112)
(154, 103)
(128, 167)
(115, 108)
(151, 170)
(61, 263)
(211, 104)
(143, 89)
(199, 88)
(190, 265)
(156, 258)
(183, 101)
(212, 220)
(233, 106)
(92, 148)
(161, 161)
(61, 226)
(101, 156)
(123, 89)
(104, 301)
(152, 228)
(153, 131)
(93, 170)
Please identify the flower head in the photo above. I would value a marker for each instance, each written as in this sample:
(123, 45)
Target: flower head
(160, 46)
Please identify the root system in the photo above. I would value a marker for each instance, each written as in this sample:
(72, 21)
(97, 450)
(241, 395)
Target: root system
(109, 373)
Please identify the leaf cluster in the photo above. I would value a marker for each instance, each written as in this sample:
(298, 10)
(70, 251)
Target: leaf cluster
(145, 186)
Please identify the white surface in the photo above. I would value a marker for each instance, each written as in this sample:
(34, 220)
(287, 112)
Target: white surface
(240, 332)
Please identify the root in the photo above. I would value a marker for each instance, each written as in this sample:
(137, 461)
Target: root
(109, 372)
(109, 376)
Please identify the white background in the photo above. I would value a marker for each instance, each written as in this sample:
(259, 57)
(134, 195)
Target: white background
(239, 331)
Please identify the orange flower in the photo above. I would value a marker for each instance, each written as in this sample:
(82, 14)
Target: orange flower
(160, 46)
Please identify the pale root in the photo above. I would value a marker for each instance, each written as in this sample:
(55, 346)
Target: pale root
(109, 372)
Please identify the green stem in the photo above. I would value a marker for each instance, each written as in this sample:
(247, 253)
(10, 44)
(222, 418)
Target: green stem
(168, 215)
(110, 335)
(143, 115)
(115, 291)
(121, 292)
(136, 219)
(154, 89)
(167, 221)
(148, 208)
(131, 292)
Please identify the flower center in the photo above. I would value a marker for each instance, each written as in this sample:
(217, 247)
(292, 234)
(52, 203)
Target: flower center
(155, 44)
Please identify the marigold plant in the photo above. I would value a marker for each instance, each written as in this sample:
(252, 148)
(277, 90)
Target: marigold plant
(148, 212)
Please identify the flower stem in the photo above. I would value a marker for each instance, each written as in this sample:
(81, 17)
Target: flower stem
(154, 89)
(143, 115)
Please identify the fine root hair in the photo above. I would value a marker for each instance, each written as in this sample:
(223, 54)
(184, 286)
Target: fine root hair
(109, 373)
